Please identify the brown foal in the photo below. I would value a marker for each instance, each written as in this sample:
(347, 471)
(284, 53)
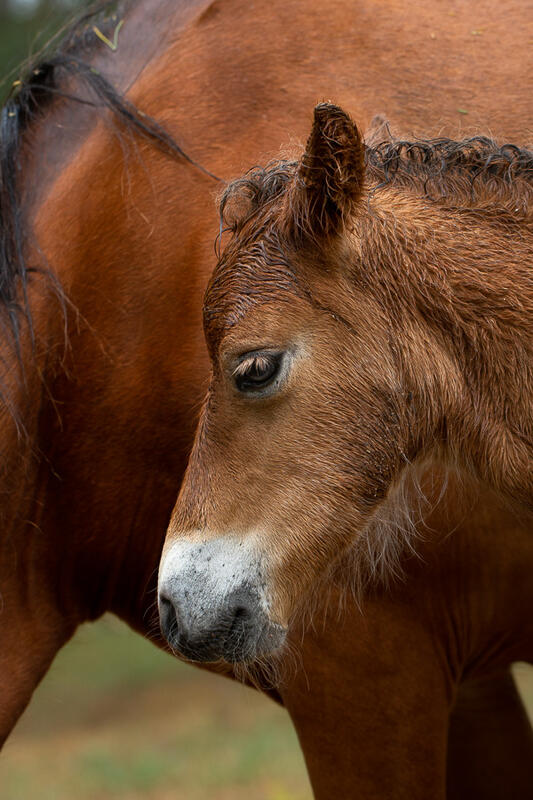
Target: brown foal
(365, 318)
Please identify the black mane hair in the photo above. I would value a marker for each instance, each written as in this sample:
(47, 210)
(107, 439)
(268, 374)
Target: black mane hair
(66, 56)
(443, 170)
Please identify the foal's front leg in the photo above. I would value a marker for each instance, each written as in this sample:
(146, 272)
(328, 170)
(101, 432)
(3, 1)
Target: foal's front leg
(490, 743)
(380, 712)
(371, 706)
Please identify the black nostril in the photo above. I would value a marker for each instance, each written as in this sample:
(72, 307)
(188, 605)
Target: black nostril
(241, 605)
(164, 604)
(239, 615)
(167, 617)
(240, 636)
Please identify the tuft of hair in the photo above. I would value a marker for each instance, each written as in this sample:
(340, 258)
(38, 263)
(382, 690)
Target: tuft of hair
(273, 671)
(465, 172)
(255, 191)
(474, 172)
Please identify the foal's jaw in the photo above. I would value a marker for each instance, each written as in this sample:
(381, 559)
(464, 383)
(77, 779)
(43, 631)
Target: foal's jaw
(213, 603)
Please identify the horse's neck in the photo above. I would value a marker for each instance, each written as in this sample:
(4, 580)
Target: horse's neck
(464, 282)
(92, 453)
(32, 411)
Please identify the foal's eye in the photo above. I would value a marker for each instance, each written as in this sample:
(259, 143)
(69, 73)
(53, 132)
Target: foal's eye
(256, 371)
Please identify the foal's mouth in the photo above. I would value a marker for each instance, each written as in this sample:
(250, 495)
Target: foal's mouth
(241, 640)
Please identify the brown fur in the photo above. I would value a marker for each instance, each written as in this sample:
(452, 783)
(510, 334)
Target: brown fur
(110, 411)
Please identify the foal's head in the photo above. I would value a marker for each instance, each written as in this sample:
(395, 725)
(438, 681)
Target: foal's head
(309, 418)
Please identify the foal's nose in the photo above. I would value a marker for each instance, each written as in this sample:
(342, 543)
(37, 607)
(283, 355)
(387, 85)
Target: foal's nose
(228, 631)
(212, 602)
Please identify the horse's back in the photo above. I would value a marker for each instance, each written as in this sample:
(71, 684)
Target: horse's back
(253, 72)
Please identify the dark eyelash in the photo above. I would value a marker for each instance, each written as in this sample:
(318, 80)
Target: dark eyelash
(256, 371)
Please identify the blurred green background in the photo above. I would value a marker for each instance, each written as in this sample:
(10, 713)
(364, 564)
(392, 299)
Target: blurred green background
(24, 27)
(116, 718)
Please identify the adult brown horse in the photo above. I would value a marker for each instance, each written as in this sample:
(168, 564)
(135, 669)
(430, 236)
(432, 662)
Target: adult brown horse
(97, 426)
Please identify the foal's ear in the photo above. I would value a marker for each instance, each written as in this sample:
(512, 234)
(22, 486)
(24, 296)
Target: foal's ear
(330, 175)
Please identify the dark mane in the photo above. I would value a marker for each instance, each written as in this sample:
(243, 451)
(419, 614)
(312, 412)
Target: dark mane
(66, 56)
(467, 173)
